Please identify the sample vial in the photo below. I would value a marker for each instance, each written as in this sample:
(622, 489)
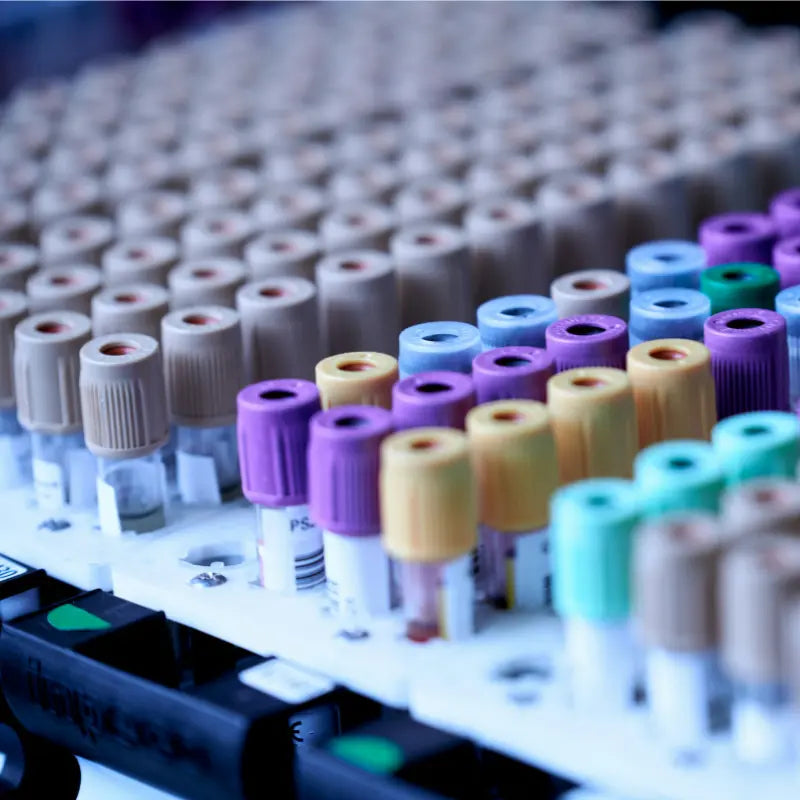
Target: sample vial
(735, 237)
(206, 281)
(512, 373)
(356, 226)
(18, 262)
(668, 314)
(667, 263)
(68, 288)
(157, 212)
(432, 399)
(740, 285)
(516, 320)
(587, 340)
(144, 259)
(592, 291)
(438, 345)
(130, 308)
(360, 378)
(218, 233)
(76, 239)
(291, 252)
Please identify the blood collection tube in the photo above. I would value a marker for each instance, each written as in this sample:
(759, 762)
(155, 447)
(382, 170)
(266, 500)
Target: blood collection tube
(344, 460)
(356, 226)
(762, 506)
(218, 233)
(587, 340)
(46, 367)
(512, 373)
(787, 304)
(157, 212)
(675, 583)
(14, 221)
(738, 237)
(428, 201)
(125, 421)
(514, 461)
(592, 291)
(438, 345)
(740, 285)
(374, 182)
(131, 174)
(71, 196)
(786, 260)
(283, 252)
(668, 263)
(758, 444)
(503, 174)
(432, 399)
(298, 162)
(202, 348)
(749, 360)
(592, 526)
(593, 416)
(358, 302)
(273, 431)
(507, 248)
(288, 207)
(68, 288)
(360, 378)
(673, 390)
(280, 328)
(206, 281)
(668, 314)
(15, 446)
(756, 577)
(434, 274)
(430, 520)
(75, 240)
(515, 320)
(223, 187)
(443, 155)
(17, 263)
(785, 212)
(146, 259)
(130, 308)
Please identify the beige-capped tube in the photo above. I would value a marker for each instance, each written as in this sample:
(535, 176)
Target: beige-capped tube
(130, 308)
(63, 289)
(280, 328)
(592, 291)
(145, 259)
(17, 263)
(359, 379)
(756, 577)
(673, 389)
(513, 454)
(13, 308)
(219, 233)
(206, 281)
(123, 399)
(283, 252)
(202, 347)
(46, 368)
(594, 422)
(71, 240)
(760, 506)
(675, 582)
(429, 511)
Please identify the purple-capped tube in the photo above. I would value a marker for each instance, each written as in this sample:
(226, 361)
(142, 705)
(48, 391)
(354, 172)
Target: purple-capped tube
(512, 373)
(437, 399)
(786, 260)
(272, 431)
(785, 212)
(749, 360)
(738, 237)
(343, 466)
(587, 340)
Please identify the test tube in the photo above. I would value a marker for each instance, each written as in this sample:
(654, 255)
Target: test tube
(432, 399)
(146, 259)
(668, 314)
(587, 340)
(356, 226)
(298, 162)
(756, 576)
(593, 416)
(673, 390)
(749, 360)
(283, 252)
(438, 345)
(762, 505)
(130, 308)
(516, 320)
(223, 187)
(46, 367)
(218, 233)
(787, 304)
(592, 525)
(503, 174)
(592, 291)
(14, 221)
(273, 431)
(667, 263)
(430, 519)
(514, 462)
(369, 182)
(69, 196)
(738, 237)
(18, 262)
(740, 285)
(288, 207)
(512, 373)
(785, 212)
(75, 239)
(786, 260)
(442, 155)
(124, 409)
(675, 584)
(344, 459)
(68, 288)
(158, 212)
(206, 281)
(430, 201)
(202, 348)
(360, 378)
(132, 174)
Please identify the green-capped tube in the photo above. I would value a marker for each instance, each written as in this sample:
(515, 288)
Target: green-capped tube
(591, 525)
(680, 475)
(744, 285)
(757, 444)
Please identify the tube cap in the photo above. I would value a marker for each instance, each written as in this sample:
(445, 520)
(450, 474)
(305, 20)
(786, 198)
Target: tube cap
(202, 365)
(675, 582)
(130, 308)
(749, 360)
(206, 282)
(363, 379)
(75, 239)
(344, 461)
(147, 259)
(46, 368)
(272, 429)
(283, 252)
(668, 314)
(356, 226)
(588, 340)
(296, 205)
(123, 400)
(785, 212)
(737, 237)
(740, 285)
(17, 263)
(594, 422)
(514, 461)
(512, 373)
(592, 291)
(592, 526)
(152, 213)
(218, 233)
(762, 505)
(668, 263)
(431, 199)
(428, 500)
(13, 309)
(63, 289)
(432, 399)
(438, 346)
(673, 389)
(786, 260)
(516, 320)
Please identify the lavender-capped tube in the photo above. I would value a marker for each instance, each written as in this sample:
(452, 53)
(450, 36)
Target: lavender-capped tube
(785, 212)
(512, 373)
(432, 399)
(735, 237)
(588, 340)
(786, 260)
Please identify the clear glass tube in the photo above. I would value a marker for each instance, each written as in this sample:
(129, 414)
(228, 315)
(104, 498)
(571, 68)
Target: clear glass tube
(15, 451)
(52, 470)
(138, 485)
(219, 444)
(498, 551)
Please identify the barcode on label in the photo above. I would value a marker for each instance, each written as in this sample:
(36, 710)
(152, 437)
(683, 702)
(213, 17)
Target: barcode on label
(10, 569)
(309, 569)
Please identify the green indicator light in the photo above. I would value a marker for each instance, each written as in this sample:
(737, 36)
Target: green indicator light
(371, 753)
(72, 618)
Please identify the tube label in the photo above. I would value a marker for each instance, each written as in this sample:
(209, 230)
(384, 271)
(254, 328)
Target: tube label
(290, 550)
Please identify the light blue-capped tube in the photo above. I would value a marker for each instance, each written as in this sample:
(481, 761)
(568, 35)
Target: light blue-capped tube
(665, 263)
(671, 313)
(787, 303)
(516, 320)
(433, 346)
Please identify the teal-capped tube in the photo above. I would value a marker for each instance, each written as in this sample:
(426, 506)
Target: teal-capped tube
(679, 475)
(591, 525)
(758, 444)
